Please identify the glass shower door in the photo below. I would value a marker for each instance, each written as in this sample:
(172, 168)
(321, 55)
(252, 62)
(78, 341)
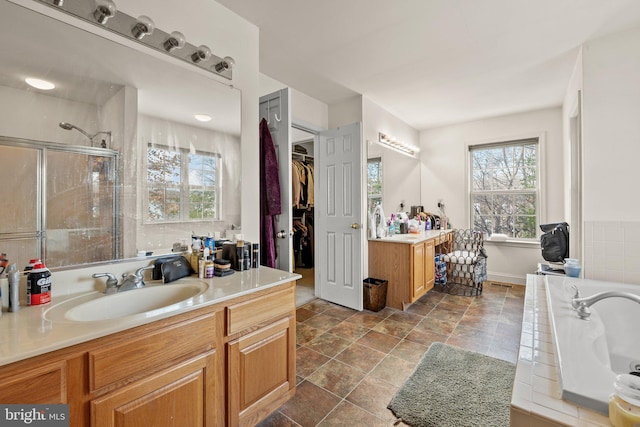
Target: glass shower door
(80, 206)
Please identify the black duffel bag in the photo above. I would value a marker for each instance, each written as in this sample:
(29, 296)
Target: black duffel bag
(555, 241)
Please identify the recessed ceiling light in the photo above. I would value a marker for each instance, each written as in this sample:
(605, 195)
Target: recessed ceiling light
(39, 83)
(202, 117)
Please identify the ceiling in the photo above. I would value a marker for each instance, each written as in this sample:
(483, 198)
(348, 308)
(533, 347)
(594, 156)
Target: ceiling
(431, 62)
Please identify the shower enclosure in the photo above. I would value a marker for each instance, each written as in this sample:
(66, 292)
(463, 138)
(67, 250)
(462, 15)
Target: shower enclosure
(58, 202)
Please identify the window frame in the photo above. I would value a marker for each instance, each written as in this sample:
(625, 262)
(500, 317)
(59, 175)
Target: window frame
(540, 179)
(184, 186)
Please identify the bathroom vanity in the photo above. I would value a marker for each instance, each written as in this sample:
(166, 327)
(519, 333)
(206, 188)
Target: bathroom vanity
(406, 261)
(225, 356)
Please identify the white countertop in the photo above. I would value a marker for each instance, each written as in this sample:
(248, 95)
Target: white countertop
(411, 238)
(29, 333)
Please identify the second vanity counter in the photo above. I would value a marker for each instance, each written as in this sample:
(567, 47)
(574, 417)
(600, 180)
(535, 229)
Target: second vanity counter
(438, 236)
(406, 261)
(31, 332)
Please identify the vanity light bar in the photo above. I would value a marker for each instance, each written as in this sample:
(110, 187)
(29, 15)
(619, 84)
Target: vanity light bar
(397, 145)
(103, 13)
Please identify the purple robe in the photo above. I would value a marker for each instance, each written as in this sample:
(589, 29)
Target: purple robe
(270, 201)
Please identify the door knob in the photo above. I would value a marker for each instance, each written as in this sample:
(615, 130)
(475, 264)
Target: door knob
(355, 225)
(281, 234)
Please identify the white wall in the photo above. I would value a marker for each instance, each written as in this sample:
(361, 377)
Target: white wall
(611, 148)
(611, 142)
(305, 110)
(32, 115)
(443, 172)
(346, 112)
(400, 173)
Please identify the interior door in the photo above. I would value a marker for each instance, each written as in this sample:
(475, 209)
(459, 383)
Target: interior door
(339, 232)
(275, 108)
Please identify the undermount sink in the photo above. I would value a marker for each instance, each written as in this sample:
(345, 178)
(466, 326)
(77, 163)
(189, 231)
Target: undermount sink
(150, 301)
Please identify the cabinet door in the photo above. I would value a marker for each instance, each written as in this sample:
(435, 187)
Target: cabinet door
(429, 265)
(180, 396)
(418, 278)
(261, 372)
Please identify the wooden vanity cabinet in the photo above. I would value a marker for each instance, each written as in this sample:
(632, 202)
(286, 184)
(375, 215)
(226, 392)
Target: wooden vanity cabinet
(422, 263)
(182, 395)
(165, 377)
(408, 268)
(232, 363)
(261, 357)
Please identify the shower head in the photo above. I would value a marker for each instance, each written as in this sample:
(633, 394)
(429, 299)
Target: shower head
(69, 126)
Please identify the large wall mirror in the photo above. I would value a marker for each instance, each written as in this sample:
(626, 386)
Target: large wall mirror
(392, 178)
(112, 161)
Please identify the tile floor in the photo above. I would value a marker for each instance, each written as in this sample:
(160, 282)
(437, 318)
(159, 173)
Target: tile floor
(350, 364)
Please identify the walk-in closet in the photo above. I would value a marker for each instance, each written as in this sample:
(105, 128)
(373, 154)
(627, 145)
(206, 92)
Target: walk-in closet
(302, 205)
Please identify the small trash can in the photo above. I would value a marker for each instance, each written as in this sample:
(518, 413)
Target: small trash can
(375, 294)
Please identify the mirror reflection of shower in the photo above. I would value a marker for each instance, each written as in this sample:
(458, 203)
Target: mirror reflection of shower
(103, 143)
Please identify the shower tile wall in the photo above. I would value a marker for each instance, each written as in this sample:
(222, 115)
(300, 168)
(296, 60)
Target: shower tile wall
(612, 251)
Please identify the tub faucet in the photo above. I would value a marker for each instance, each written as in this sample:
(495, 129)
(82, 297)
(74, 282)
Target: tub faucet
(582, 304)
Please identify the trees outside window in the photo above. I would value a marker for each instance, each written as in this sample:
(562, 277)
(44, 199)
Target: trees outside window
(374, 183)
(504, 195)
(182, 186)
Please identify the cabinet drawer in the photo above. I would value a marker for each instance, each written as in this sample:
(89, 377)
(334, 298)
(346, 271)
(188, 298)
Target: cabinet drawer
(152, 352)
(45, 384)
(249, 313)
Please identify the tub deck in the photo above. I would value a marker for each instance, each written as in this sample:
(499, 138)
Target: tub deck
(536, 399)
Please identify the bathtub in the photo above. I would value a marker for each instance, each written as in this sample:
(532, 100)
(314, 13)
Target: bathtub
(590, 353)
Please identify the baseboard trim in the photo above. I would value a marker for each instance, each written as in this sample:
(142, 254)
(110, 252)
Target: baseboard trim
(506, 278)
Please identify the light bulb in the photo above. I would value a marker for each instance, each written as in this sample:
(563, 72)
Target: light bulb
(39, 83)
(202, 117)
(105, 9)
(176, 40)
(143, 27)
(225, 64)
(202, 54)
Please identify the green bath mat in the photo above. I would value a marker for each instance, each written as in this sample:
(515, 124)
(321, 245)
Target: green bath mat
(455, 387)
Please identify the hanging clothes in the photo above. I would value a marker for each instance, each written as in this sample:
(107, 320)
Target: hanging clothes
(270, 202)
(302, 184)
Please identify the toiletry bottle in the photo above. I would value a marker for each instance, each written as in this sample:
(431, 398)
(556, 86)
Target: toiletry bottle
(201, 267)
(31, 265)
(14, 288)
(624, 403)
(208, 269)
(255, 259)
(39, 285)
(427, 225)
(247, 256)
(239, 255)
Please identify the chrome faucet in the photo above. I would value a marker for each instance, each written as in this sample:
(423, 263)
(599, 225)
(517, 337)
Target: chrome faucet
(581, 305)
(129, 281)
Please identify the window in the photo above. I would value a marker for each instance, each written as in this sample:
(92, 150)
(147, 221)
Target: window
(504, 195)
(374, 183)
(182, 186)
